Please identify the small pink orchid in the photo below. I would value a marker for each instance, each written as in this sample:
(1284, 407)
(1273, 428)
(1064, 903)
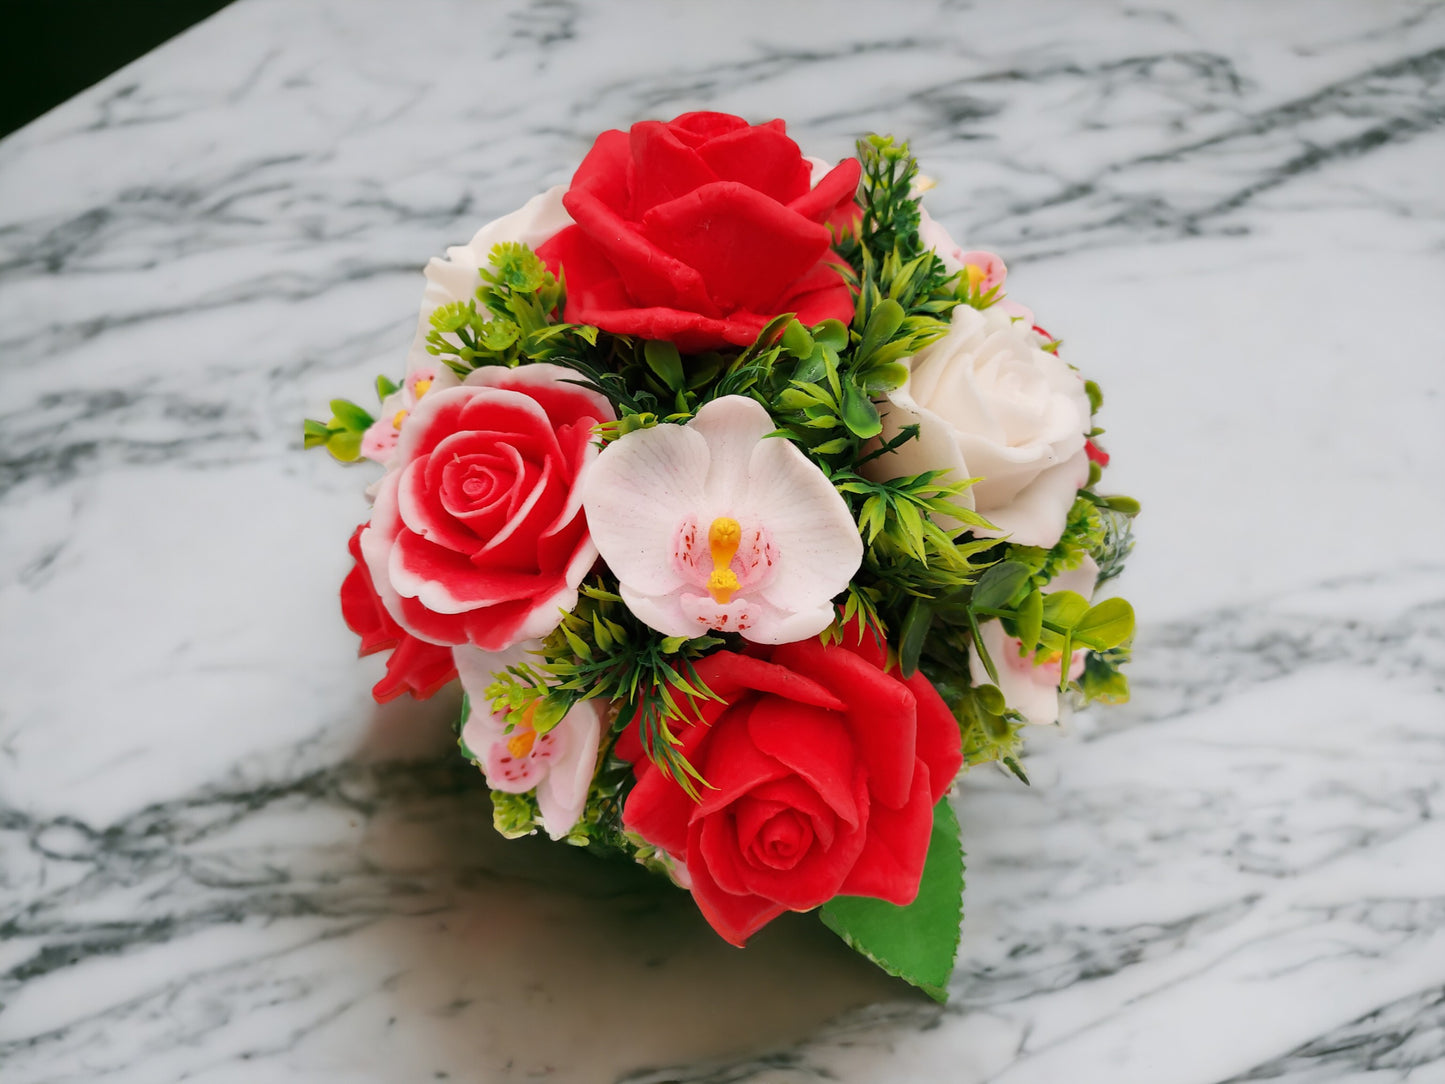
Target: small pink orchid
(515, 759)
(379, 441)
(984, 271)
(1029, 682)
(712, 525)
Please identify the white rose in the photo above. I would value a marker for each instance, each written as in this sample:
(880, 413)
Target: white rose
(991, 404)
(456, 278)
(1031, 686)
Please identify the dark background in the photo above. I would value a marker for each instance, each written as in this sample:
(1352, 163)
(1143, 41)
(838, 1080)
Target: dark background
(53, 49)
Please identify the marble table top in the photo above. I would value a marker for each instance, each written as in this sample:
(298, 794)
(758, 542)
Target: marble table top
(220, 862)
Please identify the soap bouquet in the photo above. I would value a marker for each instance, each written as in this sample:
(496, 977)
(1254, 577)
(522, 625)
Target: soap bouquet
(749, 510)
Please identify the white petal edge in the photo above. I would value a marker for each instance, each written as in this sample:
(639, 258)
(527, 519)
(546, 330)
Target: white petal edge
(562, 795)
(1036, 517)
(636, 494)
(819, 548)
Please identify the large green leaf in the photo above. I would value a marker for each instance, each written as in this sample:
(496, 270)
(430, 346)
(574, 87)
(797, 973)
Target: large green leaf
(917, 942)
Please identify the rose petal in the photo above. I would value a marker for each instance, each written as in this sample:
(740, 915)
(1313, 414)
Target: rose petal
(652, 275)
(818, 875)
(832, 193)
(813, 742)
(663, 166)
(880, 714)
(1038, 513)
(734, 917)
(761, 158)
(890, 866)
(939, 742)
(554, 388)
(769, 247)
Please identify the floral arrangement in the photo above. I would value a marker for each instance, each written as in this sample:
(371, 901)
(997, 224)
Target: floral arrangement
(748, 510)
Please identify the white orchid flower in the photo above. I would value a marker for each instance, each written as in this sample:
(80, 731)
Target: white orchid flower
(713, 525)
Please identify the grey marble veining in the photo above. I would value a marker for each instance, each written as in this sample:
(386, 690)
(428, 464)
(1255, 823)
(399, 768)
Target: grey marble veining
(219, 862)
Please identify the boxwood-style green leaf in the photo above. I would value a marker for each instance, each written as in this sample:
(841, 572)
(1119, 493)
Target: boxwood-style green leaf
(797, 341)
(833, 334)
(345, 444)
(664, 360)
(916, 624)
(996, 587)
(1126, 506)
(814, 367)
(350, 415)
(883, 322)
(918, 942)
(1030, 620)
(1065, 608)
(1106, 625)
(860, 415)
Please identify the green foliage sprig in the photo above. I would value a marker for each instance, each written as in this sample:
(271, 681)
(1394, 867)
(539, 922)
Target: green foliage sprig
(511, 318)
(601, 650)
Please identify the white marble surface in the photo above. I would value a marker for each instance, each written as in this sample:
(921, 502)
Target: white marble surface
(219, 862)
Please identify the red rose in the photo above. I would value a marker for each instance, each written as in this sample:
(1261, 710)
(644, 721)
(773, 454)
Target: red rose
(700, 231)
(415, 666)
(823, 770)
(477, 535)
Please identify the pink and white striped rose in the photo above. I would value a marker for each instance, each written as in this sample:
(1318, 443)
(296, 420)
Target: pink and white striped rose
(478, 535)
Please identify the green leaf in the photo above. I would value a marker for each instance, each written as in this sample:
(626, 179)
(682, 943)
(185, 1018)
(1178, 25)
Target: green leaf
(550, 711)
(983, 656)
(833, 334)
(996, 587)
(664, 360)
(883, 323)
(316, 433)
(1030, 620)
(860, 415)
(797, 341)
(1106, 625)
(1065, 608)
(990, 698)
(886, 378)
(918, 942)
(812, 368)
(350, 415)
(345, 444)
(915, 630)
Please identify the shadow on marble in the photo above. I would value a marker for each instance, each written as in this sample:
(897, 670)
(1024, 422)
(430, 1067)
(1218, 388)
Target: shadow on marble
(538, 959)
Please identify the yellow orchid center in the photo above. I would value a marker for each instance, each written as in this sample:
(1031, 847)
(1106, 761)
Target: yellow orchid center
(975, 275)
(420, 388)
(398, 418)
(722, 542)
(520, 743)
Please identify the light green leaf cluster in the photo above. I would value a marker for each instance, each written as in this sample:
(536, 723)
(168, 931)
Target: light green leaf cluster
(511, 318)
(341, 436)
